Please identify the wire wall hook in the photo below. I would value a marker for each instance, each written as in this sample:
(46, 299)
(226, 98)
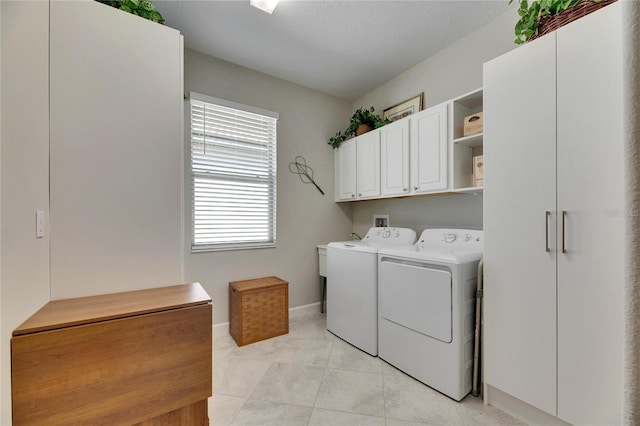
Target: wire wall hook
(300, 168)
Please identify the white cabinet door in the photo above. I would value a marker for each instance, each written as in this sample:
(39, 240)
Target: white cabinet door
(519, 252)
(394, 165)
(428, 135)
(591, 192)
(345, 157)
(368, 164)
(116, 151)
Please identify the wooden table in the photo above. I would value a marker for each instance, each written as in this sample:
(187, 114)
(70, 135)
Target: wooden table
(141, 357)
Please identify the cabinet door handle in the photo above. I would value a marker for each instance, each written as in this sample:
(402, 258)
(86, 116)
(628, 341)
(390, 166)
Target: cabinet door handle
(415, 188)
(359, 195)
(404, 189)
(564, 227)
(353, 195)
(546, 231)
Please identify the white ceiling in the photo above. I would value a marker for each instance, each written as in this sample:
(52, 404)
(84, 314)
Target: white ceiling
(343, 48)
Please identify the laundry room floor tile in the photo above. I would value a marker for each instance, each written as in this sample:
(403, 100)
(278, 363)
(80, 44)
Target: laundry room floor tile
(290, 384)
(352, 391)
(223, 409)
(311, 377)
(320, 417)
(272, 413)
(408, 399)
(346, 357)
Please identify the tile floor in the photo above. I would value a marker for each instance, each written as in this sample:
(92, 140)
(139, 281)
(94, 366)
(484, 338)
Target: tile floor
(311, 377)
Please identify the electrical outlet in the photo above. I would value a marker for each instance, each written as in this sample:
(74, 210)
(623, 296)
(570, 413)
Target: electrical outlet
(39, 224)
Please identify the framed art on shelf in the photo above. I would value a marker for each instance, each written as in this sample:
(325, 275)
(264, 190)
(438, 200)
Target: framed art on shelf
(404, 108)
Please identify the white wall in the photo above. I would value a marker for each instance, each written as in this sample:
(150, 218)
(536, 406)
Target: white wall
(24, 176)
(305, 218)
(453, 71)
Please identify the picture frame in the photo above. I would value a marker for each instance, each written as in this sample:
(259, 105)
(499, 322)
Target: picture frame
(404, 108)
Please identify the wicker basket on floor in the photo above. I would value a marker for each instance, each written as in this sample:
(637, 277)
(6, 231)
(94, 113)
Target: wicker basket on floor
(258, 309)
(549, 23)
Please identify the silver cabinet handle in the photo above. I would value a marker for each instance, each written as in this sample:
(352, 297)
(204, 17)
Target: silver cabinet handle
(359, 195)
(353, 195)
(404, 189)
(546, 231)
(415, 188)
(564, 227)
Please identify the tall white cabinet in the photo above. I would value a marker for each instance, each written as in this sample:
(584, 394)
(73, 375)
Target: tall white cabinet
(554, 221)
(116, 151)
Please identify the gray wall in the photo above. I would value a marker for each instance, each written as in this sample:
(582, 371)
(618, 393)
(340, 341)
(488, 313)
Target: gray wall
(450, 73)
(24, 283)
(305, 218)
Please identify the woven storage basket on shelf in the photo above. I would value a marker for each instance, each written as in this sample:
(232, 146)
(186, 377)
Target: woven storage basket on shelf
(549, 23)
(258, 309)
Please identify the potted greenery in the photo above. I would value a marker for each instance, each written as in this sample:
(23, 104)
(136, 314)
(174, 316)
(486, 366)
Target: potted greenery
(143, 8)
(362, 121)
(542, 16)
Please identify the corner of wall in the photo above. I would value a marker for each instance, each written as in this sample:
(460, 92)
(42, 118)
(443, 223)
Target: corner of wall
(24, 173)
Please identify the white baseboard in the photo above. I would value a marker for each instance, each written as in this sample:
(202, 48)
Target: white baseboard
(297, 312)
(519, 409)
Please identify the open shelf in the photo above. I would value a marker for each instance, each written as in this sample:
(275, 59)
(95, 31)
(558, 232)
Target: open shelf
(471, 141)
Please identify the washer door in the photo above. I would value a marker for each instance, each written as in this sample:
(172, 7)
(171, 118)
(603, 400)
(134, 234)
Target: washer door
(416, 297)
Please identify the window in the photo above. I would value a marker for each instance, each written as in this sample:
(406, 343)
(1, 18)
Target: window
(233, 168)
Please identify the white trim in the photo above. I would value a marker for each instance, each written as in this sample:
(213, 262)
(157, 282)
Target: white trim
(300, 311)
(297, 312)
(520, 409)
(234, 105)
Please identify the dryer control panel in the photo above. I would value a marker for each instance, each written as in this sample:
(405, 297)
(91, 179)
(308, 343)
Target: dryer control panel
(468, 239)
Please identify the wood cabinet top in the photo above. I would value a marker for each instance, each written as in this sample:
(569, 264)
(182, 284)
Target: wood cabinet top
(86, 310)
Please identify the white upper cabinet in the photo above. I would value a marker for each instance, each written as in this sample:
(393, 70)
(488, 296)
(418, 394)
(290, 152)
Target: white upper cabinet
(368, 165)
(428, 140)
(394, 169)
(345, 163)
(407, 157)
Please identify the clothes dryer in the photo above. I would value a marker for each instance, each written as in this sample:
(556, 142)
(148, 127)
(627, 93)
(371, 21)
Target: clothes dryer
(426, 308)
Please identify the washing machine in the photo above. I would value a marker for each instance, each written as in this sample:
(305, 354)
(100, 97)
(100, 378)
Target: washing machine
(352, 285)
(426, 319)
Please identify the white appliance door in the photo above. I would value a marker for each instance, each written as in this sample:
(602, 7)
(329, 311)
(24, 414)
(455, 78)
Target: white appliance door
(417, 297)
(352, 296)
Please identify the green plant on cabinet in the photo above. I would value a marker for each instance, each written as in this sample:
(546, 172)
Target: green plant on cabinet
(142, 8)
(361, 116)
(530, 13)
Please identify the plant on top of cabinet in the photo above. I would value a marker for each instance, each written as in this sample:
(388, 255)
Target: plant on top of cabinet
(362, 121)
(142, 8)
(543, 16)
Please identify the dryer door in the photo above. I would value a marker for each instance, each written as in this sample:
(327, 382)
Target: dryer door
(416, 297)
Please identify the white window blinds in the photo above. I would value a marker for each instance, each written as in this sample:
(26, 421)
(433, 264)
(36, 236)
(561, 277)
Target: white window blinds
(233, 166)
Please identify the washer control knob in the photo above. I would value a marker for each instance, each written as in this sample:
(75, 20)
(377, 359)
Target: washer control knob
(467, 237)
(449, 238)
(386, 234)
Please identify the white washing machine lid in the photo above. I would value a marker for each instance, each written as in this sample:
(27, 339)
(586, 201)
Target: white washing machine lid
(378, 238)
(353, 245)
(453, 246)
